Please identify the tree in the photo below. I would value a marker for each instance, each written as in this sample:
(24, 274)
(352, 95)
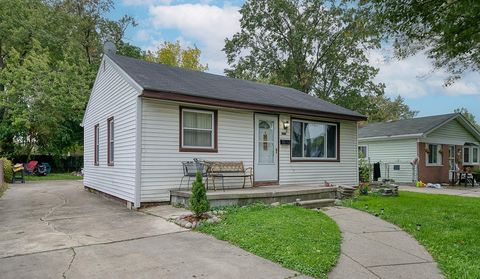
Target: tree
(49, 54)
(469, 116)
(447, 30)
(316, 46)
(174, 55)
(198, 201)
(386, 109)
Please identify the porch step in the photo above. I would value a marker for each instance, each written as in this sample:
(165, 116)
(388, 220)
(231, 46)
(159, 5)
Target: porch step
(316, 203)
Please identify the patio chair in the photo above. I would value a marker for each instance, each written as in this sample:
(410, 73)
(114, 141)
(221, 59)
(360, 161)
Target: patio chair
(190, 169)
(31, 167)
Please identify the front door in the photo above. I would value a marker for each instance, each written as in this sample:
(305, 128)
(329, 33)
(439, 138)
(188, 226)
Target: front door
(266, 148)
(451, 163)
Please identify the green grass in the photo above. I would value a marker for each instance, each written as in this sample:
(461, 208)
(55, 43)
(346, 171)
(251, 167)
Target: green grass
(53, 176)
(450, 227)
(297, 238)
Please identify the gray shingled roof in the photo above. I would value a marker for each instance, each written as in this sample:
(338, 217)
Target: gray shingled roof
(163, 78)
(412, 126)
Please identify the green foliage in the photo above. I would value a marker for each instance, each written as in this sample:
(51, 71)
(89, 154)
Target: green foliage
(173, 54)
(316, 46)
(49, 55)
(295, 237)
(446, 30)
(447, 226)
(3, 188)
(198, 201)
(469, 116)
(364, 170)
(7, 170)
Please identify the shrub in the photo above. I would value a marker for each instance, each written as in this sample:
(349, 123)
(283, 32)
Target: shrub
(7, 170)
(198, 201)
(364, 170)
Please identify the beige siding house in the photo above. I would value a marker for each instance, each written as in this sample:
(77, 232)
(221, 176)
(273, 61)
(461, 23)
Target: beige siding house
(431, 149)
(144, 119)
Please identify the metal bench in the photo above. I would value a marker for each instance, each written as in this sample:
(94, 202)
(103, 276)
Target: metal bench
(228, 169)
(190, 169)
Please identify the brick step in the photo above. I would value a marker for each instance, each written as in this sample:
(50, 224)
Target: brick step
(316, 203)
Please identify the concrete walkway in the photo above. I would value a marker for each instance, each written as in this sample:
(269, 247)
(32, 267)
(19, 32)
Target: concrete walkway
(373, 248)
(55, 229)
(458, 191)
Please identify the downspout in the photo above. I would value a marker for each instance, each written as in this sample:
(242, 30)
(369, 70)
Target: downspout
(138, 153)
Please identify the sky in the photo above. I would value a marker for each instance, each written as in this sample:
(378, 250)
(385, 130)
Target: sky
(206, 24)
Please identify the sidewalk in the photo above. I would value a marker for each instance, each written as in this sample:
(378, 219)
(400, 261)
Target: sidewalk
(461, 191)
(373, 248)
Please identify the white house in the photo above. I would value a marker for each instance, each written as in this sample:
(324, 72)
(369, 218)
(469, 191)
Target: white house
(143, 119)
(430, 149)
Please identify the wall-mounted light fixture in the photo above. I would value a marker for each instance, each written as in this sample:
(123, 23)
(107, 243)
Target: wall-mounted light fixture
(286, 124)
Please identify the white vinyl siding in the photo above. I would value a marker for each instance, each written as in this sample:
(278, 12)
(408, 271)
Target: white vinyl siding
(112, 96)
(161, 168)
(450, 133)
(398, 152)
(161, 160)
(344, 172)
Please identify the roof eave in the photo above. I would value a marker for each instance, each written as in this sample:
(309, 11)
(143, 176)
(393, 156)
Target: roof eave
(181, 97)
(405, 136)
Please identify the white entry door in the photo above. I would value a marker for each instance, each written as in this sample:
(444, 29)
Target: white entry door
(266, 148)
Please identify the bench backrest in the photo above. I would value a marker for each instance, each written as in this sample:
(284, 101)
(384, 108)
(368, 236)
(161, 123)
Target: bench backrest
(232, 166)
(191, 168)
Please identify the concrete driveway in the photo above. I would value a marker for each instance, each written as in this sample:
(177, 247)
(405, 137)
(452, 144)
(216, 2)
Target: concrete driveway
(55, 229)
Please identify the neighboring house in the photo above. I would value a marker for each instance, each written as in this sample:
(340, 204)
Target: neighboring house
(429, 149)
(143, 119)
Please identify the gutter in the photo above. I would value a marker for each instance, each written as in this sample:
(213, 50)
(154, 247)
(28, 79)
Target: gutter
(181, 97)
(405, 136)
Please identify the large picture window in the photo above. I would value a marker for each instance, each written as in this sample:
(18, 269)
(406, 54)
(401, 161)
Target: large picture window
(314, 140)
(198, 131)
(110, 139)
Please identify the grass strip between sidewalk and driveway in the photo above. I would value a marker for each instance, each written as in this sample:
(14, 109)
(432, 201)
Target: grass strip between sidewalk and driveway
(297, 238)
(449, 226)
(53, 176)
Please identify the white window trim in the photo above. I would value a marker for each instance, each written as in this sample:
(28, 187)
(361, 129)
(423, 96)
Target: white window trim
(470, 155)
(439, 156)
(326, 141)
(212, 146)
(366, 148)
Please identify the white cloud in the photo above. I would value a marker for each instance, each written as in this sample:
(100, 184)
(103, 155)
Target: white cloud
(208, 25)
(146, 2)
(414, 77)
(143, 35)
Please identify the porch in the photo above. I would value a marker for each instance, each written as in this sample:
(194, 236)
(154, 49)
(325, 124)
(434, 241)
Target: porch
(309, 196)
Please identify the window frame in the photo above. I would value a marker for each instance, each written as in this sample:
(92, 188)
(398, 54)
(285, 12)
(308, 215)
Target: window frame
(96, 145)
(214, 147)
(470, 155)
(316, 159)
(110, 140)
(366, 149)
(439, 161)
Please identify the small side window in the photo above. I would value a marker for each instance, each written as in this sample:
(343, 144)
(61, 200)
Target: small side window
(96, 141)
(110, 141)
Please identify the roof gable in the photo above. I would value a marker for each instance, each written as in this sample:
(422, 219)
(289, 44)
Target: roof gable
(159, 78)
(415, 127)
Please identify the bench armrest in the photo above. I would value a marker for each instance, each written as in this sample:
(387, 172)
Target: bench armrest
(249, 171)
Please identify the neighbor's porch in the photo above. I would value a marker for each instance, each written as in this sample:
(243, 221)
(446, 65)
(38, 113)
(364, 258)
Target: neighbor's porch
(310, 196)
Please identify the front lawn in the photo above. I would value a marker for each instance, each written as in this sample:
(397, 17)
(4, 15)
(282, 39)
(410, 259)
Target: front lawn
(53, 176)
(450, 227)
(299, 239)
